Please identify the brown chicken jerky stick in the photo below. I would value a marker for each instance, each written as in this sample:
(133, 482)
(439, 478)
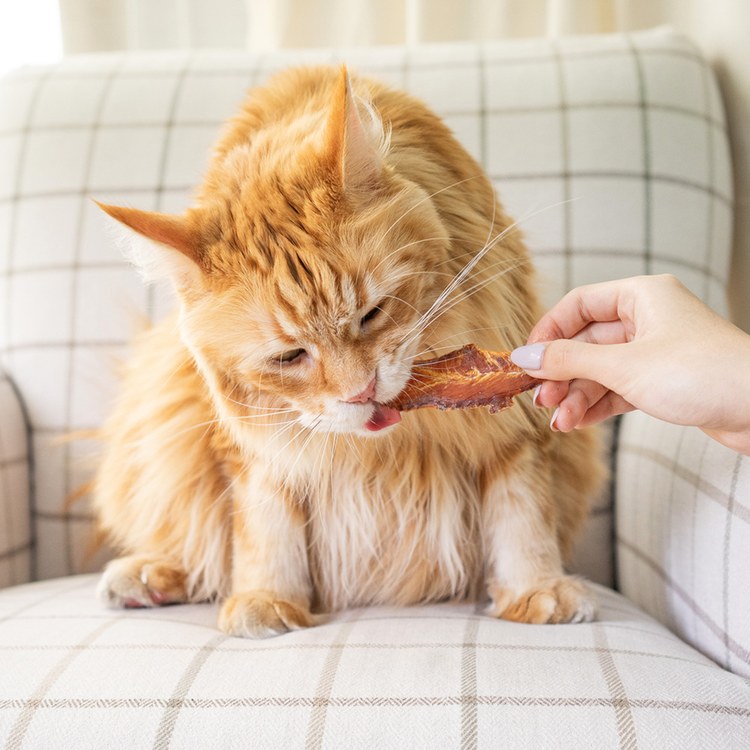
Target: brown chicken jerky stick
(462, 379)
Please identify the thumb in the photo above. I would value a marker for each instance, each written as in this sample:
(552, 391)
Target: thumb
(564, 359)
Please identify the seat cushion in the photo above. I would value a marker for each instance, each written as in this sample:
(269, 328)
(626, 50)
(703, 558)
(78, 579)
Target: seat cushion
(76, 675)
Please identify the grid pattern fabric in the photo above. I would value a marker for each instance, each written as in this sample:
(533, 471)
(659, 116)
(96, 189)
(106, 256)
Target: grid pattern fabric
(683, 535)
(611, 151)
(437, 676)
(15, 501)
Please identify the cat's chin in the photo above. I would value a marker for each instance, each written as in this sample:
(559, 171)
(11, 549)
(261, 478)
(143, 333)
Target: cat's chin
(372, 420)
(367, 420)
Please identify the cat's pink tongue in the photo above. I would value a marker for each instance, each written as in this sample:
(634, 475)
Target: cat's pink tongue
(383, 416)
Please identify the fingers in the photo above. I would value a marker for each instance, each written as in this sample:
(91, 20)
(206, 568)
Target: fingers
(582, 403)
(582, 395)
(550, 393)
(602, 333)
(571, 385)
(567, 360)
(613, 338)
(584, 305)
(613, 332)
(610, 405)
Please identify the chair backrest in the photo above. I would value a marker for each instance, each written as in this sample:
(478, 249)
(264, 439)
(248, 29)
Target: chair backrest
(611, 151)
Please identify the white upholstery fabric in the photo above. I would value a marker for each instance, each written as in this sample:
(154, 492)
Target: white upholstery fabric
(78, 676)
(611, 151)
(15, 500)
(683, 535)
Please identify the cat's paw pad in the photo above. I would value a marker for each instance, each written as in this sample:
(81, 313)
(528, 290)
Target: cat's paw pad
(133, 582)
(260, 614)
(564, 599)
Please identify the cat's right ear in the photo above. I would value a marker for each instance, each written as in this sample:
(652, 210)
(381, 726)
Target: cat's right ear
(355, 139)
(161, 246)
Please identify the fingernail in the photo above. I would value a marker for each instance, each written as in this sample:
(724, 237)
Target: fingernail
(536, 395)
(552, 421)
(528, 357)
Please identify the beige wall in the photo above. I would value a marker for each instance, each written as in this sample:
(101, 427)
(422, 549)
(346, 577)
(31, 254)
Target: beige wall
(722, 29)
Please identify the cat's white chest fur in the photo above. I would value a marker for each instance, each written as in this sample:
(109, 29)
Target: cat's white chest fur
(393, 536)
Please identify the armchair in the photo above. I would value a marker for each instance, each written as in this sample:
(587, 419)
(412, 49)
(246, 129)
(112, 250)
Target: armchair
(613, 153)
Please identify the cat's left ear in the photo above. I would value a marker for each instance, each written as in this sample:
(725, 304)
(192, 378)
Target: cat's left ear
(161, 246)
(355, 139)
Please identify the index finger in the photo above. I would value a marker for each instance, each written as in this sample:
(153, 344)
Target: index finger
(593, 303)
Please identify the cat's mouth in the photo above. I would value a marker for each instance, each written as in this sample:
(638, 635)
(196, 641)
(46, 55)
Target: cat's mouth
(382, 416)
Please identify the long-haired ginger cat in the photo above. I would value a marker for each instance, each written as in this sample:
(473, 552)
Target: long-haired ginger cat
(340, 233)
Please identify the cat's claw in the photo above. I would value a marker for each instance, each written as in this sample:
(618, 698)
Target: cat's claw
(262, 614)
(563, 599)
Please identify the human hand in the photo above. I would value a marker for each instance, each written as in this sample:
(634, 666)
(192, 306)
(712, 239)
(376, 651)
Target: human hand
(641, 343)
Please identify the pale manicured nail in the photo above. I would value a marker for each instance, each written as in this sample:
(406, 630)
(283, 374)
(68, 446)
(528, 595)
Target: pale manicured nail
(528, 357)
(536, 395)
(552, 421)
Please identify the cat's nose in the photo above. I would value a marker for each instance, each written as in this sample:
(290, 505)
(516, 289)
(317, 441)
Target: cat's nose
(364, 396)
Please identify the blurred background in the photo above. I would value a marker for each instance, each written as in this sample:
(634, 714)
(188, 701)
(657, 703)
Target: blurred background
(42, 31)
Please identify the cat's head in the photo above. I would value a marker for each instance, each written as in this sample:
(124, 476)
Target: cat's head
(304, 268)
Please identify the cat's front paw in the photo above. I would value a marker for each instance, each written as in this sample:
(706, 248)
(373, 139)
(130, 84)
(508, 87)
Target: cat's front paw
(139, 581)
(555, 600)
(260, 614)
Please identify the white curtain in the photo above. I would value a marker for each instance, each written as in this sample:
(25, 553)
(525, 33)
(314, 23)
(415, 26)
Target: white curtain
(300, 23)
(262, 25)
(100, 25)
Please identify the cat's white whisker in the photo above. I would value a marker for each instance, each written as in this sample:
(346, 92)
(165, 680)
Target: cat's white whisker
(276, 435)
(250, 417)
(399, 299)
(290, 476)
(427, 198)
(465, 272)
(256, 407)
(400, 248)
(352, 445)
(422, 273)
(218, 420)
(457, 338)
(431, 314)
(466, 293)
(270, 424)
(284, 484)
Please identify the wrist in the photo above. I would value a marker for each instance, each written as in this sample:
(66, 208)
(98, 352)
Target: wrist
(738, 441)
(729, 392)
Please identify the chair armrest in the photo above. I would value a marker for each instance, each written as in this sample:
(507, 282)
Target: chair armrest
(683, 534)
(16, 538)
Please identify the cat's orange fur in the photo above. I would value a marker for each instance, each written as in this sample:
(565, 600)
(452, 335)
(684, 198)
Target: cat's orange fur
(229, 473)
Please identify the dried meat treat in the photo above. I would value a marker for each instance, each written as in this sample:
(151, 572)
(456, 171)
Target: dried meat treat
(462, 379)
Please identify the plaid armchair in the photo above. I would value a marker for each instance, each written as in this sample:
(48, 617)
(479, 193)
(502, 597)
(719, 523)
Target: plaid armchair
(613, 152)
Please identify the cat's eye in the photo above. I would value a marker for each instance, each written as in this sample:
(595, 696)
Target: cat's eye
(370, 315)
(291, 356)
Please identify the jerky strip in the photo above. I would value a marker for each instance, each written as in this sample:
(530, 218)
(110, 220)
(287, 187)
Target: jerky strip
(462, 379)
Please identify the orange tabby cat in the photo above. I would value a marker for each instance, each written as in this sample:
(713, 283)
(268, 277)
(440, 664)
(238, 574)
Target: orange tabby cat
(340, 232)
